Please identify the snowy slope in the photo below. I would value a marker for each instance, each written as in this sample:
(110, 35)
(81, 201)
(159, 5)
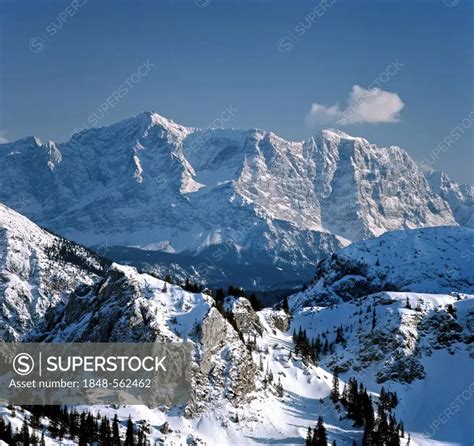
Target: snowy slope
(382, 305)
(37, 270)
(132, 307)
(408, 351)
(430, 260)
(262, 416)
(420, 337)
(235, 196)
(412, 351)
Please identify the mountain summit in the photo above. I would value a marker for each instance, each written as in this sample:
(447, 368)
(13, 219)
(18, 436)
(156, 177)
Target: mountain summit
(248, 195)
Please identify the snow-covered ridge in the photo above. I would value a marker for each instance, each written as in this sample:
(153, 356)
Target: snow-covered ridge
(147, 180)
(412, 343)
(427, 260)
(37, 270)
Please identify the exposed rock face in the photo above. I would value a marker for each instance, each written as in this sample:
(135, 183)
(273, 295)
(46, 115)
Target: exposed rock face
(130, 307)
(233, 196)
(246, 373)
(243, 315)
(225, 360)
(390, 334)
(55, 291)
(281, 320)
(398, 298)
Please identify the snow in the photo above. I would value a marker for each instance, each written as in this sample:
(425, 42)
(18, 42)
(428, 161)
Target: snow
(430, 260)
(269, 419)
(448, 386)
(147, 180)
(268, 199)
(31, 280)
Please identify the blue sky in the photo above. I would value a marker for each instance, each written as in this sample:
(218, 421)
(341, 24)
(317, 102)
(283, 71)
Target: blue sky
(407, 64)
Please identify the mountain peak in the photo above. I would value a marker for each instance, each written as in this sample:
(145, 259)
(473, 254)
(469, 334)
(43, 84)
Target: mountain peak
(149, 119)
(147, 180)
(335, 133)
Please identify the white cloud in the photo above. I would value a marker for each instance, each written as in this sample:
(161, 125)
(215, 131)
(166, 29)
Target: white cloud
(3, 139)
(370, 106)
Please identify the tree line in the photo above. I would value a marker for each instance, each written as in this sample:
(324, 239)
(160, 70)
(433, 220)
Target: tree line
(314, 349)
(381, 427)
(84, 428)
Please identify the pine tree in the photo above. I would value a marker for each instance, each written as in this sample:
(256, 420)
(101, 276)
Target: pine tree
(105, 434)
(141, 437)
(74, 424)
(219, 298)
(83, 431)
(367, 410)
(284, 305)
(335, 388)
(129, 435)
(53, 427)
(34, 439)
(309, 437)
(35, 422)
(8, 433)
(279, 388)
(325, 347)
(382, 425)
(115, 432)
(270, 375)
(320, 437)
(25, 434)
(2, 429)
(451, 310)
(255, 302)
(260, 364)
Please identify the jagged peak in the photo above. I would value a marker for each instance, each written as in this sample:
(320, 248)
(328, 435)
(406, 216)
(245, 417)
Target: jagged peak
(149, 119)
(142, 122)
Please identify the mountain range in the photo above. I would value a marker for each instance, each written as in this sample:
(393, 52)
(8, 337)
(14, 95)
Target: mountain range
(217, 204)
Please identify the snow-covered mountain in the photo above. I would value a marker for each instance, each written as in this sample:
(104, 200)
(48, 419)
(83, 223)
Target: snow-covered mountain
(427, 260)
(399, 309)
(230, 196)
(460, 197)
(406, 322)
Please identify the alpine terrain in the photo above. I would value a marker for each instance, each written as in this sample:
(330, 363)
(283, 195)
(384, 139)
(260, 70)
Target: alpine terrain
(379, 344)
(218, 204)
